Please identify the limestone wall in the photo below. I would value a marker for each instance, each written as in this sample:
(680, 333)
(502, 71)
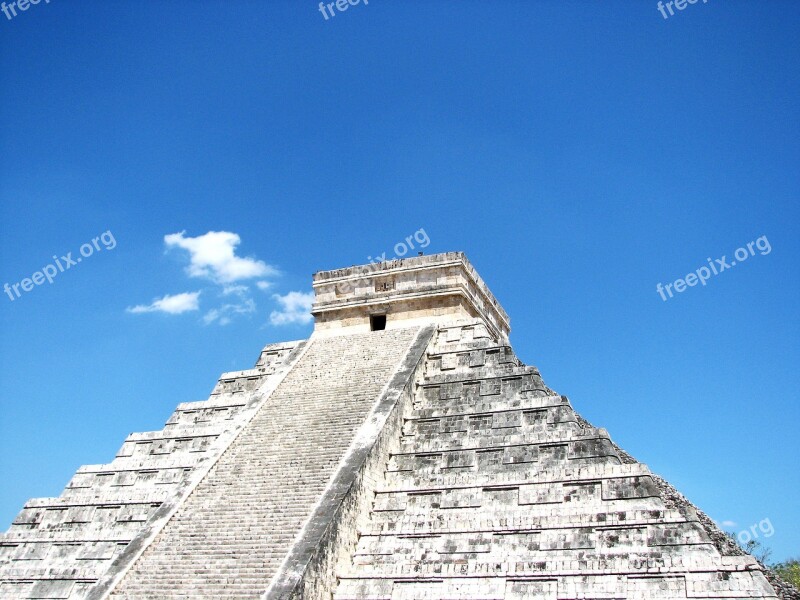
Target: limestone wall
(231, 534)
(500, 491)
(60, 547)
(309, 570)
(432, 289)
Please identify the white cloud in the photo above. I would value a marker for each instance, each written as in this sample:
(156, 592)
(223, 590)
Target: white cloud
(728, 524)
(213, 256)
(173, 305)
(212, 316)
(295, 308)
(223, 315)
(239, 290)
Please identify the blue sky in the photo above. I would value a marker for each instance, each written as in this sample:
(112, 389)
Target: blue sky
(579, 153)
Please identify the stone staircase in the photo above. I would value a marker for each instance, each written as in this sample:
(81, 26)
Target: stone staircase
(420, 462)
(60, 547)
(500, 490)
(229, 537)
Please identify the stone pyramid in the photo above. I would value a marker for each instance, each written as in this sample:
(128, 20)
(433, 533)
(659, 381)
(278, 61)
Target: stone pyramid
(402, 452)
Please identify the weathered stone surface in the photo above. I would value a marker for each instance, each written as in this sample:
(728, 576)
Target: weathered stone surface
(423, 461)
(232, 533)
(59, 547)
(428, 289)
(500, 490)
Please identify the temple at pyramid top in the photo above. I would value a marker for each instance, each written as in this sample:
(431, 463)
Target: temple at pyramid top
(399, 293)
(402, 452)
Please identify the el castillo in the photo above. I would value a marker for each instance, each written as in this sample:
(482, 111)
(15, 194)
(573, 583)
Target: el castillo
(402, 452)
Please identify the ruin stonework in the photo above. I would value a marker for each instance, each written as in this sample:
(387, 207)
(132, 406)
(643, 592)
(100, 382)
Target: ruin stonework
(408, 457)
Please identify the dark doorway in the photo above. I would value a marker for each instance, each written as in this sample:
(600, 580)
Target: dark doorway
(377, 322)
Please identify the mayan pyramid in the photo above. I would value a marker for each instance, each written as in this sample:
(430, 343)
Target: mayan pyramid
(402, 452)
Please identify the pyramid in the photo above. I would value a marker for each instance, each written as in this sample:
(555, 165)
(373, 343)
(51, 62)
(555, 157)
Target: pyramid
(402, 452)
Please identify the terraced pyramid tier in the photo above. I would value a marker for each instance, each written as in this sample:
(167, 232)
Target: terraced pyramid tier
(498, 490)
(403, 452)
(60, 547)
(229, 537)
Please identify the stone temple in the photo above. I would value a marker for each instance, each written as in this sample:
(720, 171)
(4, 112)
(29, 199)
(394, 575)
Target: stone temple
(402, 452)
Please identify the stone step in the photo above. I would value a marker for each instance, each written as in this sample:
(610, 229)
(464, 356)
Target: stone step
(257, 496)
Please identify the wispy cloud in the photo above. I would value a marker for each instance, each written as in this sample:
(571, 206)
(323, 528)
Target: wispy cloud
(728, 523)
(237, 290)
(223, 315)
(172, 305)
(295, 308)
(232, 278)
(213, 256)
